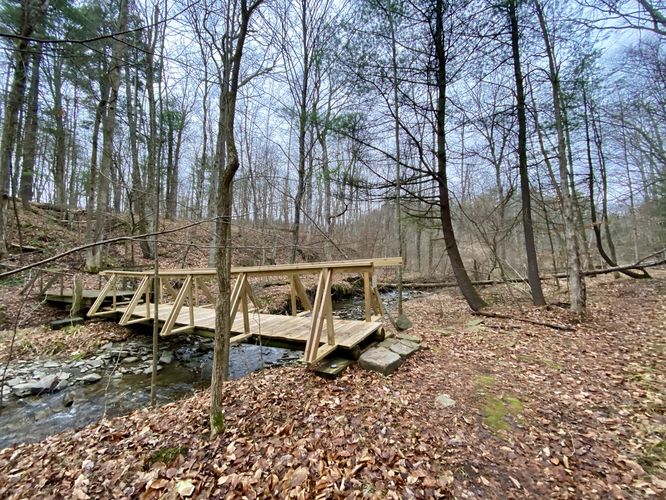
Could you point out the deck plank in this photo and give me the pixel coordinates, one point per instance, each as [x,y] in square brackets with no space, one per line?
[348,333]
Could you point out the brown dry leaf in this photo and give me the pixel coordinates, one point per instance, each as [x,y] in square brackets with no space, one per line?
[299,476]
[159,484]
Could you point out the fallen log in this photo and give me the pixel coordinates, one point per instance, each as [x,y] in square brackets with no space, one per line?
[450,284]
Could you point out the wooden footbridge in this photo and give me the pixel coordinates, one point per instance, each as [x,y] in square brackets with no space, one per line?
[186,301]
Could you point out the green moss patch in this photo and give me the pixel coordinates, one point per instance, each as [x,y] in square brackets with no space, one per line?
[654,457]
[486,381]
[497,411]
[167,455]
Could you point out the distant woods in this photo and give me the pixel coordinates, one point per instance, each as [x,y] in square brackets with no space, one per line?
[506,140]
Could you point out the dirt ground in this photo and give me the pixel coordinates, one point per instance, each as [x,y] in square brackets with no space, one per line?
[539,412]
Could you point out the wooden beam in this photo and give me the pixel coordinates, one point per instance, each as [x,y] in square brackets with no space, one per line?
[236,293]
[245,309]
[367,296]
[319,312]
[136,320]
[276,270]
[135,300]
[169,288]
[292,294]
[251,296]
[205,290]
[102,295]
[323,351]
[302,293]
[328,311]
[190,302]
[312,343]
[378,307]
[175,309]
[237,339]
[180,329]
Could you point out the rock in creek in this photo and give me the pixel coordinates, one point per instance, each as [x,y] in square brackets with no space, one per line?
[43,385]
[14,381]
[91,378]
[403,323]
[166,358]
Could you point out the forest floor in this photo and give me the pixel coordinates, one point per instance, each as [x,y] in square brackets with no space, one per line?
[538,412]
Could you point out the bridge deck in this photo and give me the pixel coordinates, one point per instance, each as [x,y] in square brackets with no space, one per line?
[179,293]
[348,333]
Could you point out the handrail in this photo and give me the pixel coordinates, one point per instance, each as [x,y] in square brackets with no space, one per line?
[274,270]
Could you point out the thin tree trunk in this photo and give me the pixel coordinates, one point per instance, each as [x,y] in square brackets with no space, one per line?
[302,132]
[100,113]
[398,173]
[60,137]
[472,297]
[528,228]
[227,164]
[577,295]
[596,225]
[137,195]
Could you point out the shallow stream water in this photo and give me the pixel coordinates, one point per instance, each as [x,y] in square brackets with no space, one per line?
[124,386]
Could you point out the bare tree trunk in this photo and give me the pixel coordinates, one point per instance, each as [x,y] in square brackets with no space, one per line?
[577,295]
[32,13]
[227,164]
[302,130]
[30,136]
[60,136]
[398,173]
[528,229]
[472,297]
[108,128]
[72,146]
[137,196]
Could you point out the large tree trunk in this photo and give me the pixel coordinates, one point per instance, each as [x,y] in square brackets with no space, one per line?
[302,131]
[59,157]
[472,297]
[32,123]
[577,295]
[137,195]
[94,260]
[100,113]
[32,13]
[528,229]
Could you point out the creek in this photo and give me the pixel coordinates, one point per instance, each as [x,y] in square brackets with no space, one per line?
[114,381]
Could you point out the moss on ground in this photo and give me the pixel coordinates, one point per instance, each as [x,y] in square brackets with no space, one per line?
[654,457]
[497,410]
[168,454]
[486,381]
